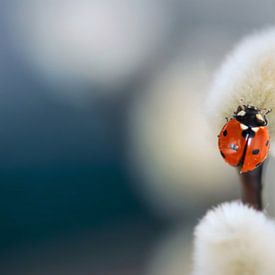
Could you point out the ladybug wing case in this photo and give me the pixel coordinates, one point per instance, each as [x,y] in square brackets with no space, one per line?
[257,150]
[232,143]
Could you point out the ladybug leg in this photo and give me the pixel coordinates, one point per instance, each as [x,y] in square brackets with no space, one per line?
[240,108]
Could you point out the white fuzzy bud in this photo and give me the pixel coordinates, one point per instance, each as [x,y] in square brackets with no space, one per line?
[247,77]
[234,239]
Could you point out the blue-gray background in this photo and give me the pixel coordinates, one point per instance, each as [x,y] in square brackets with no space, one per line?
[70,201]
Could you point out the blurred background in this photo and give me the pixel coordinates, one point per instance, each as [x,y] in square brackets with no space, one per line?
[107,160]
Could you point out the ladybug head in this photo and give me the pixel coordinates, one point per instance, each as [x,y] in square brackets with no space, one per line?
[251,116]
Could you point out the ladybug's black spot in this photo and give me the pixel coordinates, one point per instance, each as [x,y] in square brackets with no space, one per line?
[222,154]
[267,142]
[255,151]
[248,132]
[225,133]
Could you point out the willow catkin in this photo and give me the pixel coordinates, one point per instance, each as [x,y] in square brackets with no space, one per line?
[233,239]
[247,77]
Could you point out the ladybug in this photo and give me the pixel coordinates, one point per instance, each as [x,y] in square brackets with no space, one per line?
[244,140]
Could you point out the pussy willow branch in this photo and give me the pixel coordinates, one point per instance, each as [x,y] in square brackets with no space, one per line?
[251,184]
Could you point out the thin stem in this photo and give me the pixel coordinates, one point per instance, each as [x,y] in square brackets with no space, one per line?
[251,183]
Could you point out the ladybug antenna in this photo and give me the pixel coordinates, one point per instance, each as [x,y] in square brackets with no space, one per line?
[268,111]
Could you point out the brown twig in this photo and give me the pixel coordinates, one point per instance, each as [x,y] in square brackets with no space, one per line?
[251,183]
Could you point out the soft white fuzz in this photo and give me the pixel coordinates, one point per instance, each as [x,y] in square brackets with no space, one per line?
[246,77]
[234,239]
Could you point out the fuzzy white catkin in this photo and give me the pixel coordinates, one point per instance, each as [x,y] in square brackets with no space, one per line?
[234,239]
[246,77]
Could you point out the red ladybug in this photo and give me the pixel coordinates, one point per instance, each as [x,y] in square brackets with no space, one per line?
[244,140]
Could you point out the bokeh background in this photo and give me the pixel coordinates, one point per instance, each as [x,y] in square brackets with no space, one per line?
[107,160]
